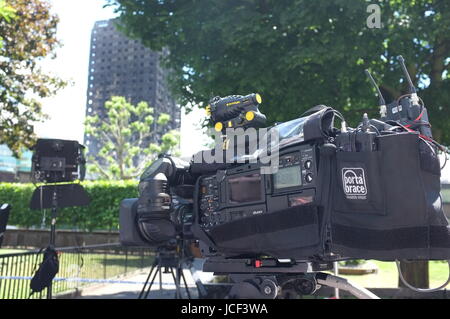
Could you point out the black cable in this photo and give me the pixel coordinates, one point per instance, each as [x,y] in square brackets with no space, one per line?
[339,115]
[446,158]
[376,130]
[420,289]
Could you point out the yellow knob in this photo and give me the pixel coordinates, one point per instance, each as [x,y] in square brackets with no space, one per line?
[218,127]
[258,98]
[249,116]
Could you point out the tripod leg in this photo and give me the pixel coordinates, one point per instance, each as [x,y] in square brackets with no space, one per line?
[146,281]
[185,284]
[160,280]
[177,284]
[158,269]
[179,281]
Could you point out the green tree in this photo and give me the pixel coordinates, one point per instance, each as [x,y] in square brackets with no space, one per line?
[6,13]
[299,53]
[28,31]
[124,135]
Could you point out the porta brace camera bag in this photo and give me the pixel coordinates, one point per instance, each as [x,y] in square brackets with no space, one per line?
[398,213]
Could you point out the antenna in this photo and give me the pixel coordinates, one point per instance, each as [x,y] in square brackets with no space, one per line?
[412,88]
[382,102]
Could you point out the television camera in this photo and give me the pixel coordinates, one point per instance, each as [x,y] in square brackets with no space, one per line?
[370,192]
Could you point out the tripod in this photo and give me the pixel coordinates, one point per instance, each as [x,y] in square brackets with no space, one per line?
[173,264]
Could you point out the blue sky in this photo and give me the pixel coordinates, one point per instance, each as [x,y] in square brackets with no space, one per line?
[67,108]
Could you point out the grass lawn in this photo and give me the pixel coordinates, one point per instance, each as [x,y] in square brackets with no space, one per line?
[387,276]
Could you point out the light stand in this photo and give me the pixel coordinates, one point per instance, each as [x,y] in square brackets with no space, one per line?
[55,162]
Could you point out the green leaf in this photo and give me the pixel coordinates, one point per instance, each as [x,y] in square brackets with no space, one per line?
[126,139]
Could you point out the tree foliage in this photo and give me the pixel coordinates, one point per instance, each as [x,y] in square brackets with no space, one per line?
[299,53]
[28,30]
[125,136]
[6,13]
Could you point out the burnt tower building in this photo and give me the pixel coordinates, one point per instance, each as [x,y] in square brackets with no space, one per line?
[120,66]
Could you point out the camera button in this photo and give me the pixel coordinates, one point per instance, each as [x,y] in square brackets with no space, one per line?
[308,164]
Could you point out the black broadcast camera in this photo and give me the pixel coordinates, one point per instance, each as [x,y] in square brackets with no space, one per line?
[370,192]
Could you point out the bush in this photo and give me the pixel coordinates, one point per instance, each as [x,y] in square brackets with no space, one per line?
[101,214]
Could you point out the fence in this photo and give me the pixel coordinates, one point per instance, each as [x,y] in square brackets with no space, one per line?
[78,266]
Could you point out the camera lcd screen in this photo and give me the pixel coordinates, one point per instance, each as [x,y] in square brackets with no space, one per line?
[287,177]
[244,188]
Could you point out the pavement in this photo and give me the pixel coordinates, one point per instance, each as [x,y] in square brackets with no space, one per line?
[130,286]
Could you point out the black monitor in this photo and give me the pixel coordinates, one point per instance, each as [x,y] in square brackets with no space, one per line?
[4,215]
[56,161]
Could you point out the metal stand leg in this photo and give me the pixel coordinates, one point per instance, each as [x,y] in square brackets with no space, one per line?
[160,281]
[155,266]
[172,264]
[158,269]
[53,234]
[185,284]
[177,283]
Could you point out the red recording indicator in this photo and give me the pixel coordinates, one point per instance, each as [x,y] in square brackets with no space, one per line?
[300,200]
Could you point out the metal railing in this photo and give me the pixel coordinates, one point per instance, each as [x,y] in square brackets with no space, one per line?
[78,266]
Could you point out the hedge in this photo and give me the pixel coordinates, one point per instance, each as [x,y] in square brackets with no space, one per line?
[101,214]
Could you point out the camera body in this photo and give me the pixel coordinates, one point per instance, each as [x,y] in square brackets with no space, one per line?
[369,192]
[244,191]
[360,193]
[234,204]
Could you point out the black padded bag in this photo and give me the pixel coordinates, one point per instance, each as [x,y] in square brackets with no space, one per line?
[387,203]
[293,232]
[46,272]
[296,232]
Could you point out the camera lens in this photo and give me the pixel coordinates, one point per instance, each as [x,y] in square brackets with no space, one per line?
[153,196]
